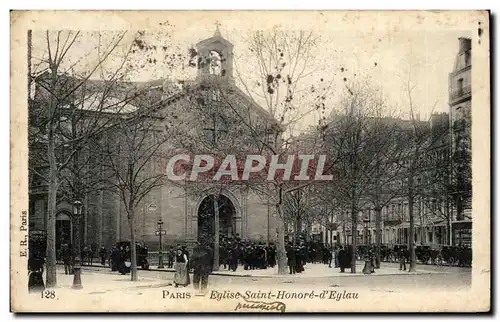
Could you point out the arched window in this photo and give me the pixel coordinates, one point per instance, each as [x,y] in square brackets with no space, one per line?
[215,63]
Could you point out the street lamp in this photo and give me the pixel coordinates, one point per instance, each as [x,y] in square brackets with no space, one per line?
[77,212]
[368,268]
[160,253]
[366,222]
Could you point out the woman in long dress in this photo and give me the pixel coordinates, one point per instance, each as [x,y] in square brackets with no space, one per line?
[181,276]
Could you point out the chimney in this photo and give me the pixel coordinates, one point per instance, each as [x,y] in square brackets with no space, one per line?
[464,44]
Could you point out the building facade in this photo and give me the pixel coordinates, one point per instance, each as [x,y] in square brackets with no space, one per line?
[185,214]
[443,214]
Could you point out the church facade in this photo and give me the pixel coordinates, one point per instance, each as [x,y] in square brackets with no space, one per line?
[185,215]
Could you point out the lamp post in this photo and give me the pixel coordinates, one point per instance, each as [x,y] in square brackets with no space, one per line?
[367,269]
[77,212]
[160,252]
[366,222]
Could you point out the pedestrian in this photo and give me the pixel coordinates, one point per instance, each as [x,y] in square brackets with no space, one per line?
[223,254]
[234,254]
[66,254]
[102,255]
[122,260]
[372,259]
[92,252]
[35,271]
[170,257]
[181,276]
[115,258]
[300,257]
[271,255]
[202,263]
[402,259]
[342,259]
[333,258]
[291,262]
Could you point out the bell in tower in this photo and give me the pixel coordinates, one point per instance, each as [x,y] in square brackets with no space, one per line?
[215,57]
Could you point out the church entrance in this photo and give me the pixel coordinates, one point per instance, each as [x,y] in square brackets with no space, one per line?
[206,218]
[63,232]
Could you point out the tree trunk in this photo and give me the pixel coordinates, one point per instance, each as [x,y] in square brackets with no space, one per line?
[51,233]
[344,233]
[378,235]
[354,229]
[216,265]
[51,217]
[308,232]
[133,252]
[280,247]
[448,224]
[298,231]
[411,237]
[53,188]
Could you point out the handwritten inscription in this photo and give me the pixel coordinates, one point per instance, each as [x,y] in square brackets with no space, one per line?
[260,306]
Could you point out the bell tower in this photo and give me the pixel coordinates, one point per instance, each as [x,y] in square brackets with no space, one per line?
[215,57]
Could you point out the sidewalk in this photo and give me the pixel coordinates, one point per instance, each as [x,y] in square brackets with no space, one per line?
[95,282]
[314,270]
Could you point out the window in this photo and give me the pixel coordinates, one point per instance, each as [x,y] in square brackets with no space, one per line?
[217,128]
[467,58]
[215,63]
[460,86]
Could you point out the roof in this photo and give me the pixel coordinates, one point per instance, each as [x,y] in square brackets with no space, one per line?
[217,37]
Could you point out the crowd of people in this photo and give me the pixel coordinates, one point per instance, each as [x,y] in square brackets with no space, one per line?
[235,252]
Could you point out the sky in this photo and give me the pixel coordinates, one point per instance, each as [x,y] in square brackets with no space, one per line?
[391,55]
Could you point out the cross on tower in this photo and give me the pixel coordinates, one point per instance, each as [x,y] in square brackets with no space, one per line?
[217,31]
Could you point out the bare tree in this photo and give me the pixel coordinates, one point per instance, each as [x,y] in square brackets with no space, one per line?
[385,149]
[421,142]
[299,207]
[57,130]
[132,151]
[348,137]
[289,89]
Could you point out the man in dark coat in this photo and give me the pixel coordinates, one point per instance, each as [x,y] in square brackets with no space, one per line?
[290,254]
[202,263]
[115,258]
[170,257]
[271,255]
[102,254]
[343,259]
[234,254]
[300,256]
[66,254]
[402,258]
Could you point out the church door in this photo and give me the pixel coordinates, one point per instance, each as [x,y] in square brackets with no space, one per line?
[63,231]
[206,218]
